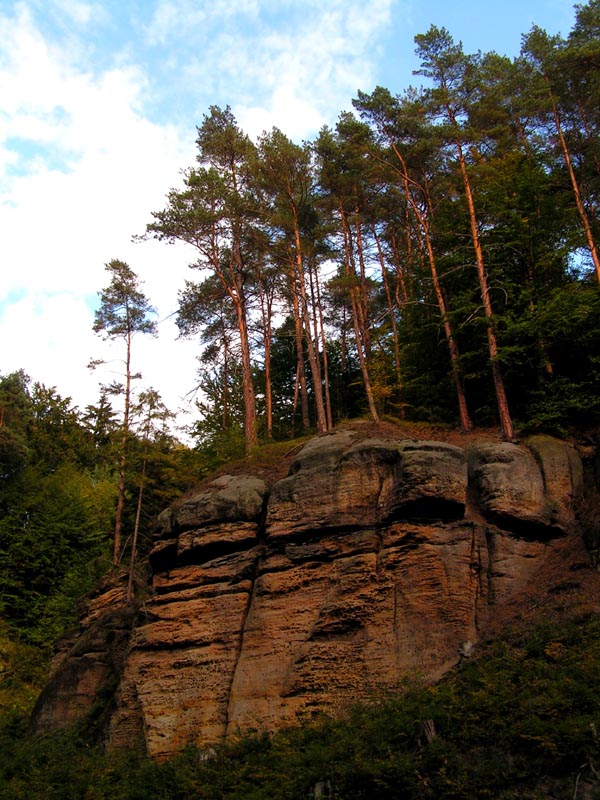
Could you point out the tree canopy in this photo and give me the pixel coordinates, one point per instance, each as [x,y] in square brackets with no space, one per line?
[431,246]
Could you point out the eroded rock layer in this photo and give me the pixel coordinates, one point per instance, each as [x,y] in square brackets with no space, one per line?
[373,560]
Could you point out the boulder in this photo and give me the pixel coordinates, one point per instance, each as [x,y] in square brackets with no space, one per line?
[332,484]
[431,483]
[229,498]
[562,474]
[508,488]
[343,485]
[88,666]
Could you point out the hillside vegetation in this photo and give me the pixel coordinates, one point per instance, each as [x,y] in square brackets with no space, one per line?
[520,721]
[430,262]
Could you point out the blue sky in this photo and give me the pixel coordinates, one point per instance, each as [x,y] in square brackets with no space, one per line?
[99,102]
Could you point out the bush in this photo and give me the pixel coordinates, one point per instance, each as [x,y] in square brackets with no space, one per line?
[521,722]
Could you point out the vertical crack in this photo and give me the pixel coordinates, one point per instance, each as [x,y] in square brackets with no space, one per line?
[489,539]
[476,569]
[240,639]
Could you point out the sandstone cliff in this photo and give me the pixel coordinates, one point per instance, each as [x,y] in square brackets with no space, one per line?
[374,560]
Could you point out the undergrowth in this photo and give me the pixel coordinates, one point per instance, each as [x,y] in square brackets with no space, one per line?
[521,721]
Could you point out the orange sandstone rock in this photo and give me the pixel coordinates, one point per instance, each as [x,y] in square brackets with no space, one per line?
[372,561]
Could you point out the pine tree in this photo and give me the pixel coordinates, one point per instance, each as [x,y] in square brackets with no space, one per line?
[124,311]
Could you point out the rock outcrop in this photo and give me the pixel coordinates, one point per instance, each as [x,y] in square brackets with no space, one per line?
[373,560]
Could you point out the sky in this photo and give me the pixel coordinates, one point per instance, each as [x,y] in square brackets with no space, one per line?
[99,103]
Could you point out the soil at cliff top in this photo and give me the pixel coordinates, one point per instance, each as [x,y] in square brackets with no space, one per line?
[272,462]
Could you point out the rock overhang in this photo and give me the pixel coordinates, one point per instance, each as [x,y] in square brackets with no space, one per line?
[371,559]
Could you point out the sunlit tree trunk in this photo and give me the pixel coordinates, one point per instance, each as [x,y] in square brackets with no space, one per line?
[391,308]
[585,221]
[355,299]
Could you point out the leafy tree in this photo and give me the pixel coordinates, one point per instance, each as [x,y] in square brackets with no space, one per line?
[286,175]
[454,78]
[550,61]
[152,416]
[101,422]
[402,134]
[344,182]
[204,308]
[215,213]
[55,510]
[15,414]
[124,311]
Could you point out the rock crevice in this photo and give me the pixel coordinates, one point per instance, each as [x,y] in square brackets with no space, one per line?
[371,561]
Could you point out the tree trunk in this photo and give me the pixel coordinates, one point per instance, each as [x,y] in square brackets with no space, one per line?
[247,385]
[465,420]
[325,358]
[574,183]
[312,355]
[363,295]
[123,456]
[235,290]
[299,342]
[136,527]
[391,311]
[265,309]
[355,301]
[503,410]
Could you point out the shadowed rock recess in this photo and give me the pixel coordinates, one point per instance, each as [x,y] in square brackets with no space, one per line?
[372,561]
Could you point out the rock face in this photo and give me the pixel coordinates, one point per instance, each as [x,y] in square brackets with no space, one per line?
[373,560]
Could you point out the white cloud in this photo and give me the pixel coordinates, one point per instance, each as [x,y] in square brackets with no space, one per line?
[76,11]
[82,166]
[43,327]
[294,75]
[61,224]
[181,19]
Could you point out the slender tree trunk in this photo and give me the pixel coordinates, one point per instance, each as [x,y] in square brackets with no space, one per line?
[299,342]
[123,455]
[247,385]
[363,295]
[355,301]
[239,300]
[465,420]
[265,308]
[344,342]
[574,182]
[225,414]
[235,290]
[296,396]
[401,291]
[268,391]
[325,357]
[503,410]
[391,310]
[312,356]
[136,527]
[315,324]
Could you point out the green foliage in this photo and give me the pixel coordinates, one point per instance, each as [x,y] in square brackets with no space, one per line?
[23,669]
[460,218]
[271,223]
[58,495]
[570,398]
[52,540]
[519,722]
[124,309]
[55,510]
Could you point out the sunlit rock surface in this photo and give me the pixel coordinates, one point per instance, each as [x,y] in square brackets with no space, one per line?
[374,560]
